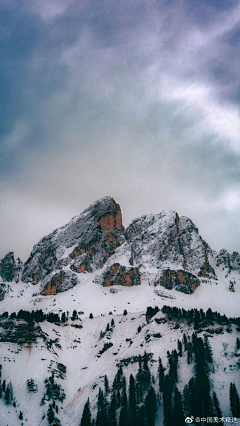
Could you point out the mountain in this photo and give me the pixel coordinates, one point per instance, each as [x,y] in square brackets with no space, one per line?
[96,305]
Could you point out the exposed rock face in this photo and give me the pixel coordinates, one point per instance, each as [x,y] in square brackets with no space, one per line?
[121,275]
[229,262]
[2,291]
[9,268]
[168,238]
[179,279]
[62,281]
[19,331]
[85,243]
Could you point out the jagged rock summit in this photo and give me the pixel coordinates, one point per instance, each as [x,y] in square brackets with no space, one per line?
[83,245]
[164,249]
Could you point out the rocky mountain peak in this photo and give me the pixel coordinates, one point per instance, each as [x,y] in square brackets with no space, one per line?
[168,240]
[10,268]
[84,245]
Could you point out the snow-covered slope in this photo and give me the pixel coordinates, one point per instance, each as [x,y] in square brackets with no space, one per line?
[95,267]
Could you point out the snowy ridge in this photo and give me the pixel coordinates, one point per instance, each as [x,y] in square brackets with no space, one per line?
[70,266]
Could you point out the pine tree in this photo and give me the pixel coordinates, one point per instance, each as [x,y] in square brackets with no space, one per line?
[132,401]
[101,409]
[237,344]
[151,406]
[185,341]
[32,386]
[112,410]
[161,370]
[167,400]
[9,394]
[179,348]
[50,414]
[112,323]
[177,415]
[216,406]
[142,416]
[86,416]
[124,400]
[208,349]
[106,384]
[234,400]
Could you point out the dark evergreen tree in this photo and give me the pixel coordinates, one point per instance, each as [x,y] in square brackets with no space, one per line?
[50,414]
[208,349]
[123,418]
[9,394]
[161,370]
[32,386]
[74,315]
[151,406]
[179,348]
[20,415]
[167,400]
[173,366]
[216,406]
[234,400]
[112,410]
[189,353]
[86,416]
[101,409]
[106,384]
[124,400]
[132,401]
[112,323]
[203,403]
[142,416]
[177,415]
[125,312]
[237,344]
[63,317]
[91,315]
[184,341]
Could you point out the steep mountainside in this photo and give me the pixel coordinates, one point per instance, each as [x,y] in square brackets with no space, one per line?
[95,306]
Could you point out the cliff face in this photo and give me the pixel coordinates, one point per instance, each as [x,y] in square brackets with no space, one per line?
[10,268]
[167,238]
[121,275]
[227,261]
[84,244]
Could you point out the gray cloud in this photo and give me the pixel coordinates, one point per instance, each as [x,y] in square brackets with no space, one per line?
[132,100]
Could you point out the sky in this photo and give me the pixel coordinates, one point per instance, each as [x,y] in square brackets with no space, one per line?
[135,99]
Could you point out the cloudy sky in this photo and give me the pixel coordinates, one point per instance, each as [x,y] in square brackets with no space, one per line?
[130,98]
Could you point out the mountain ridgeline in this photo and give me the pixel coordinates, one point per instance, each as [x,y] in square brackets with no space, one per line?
[169,247]
[107,326]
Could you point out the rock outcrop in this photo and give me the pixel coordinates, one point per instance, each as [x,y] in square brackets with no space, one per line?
[179,279]
[85,243]
[121,275]
[227,261]
[166,238]
[59,282]
[9,268]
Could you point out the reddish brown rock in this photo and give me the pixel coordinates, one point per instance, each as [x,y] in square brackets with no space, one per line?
[181,280]
[93,237]
[59,282]
[121,275]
